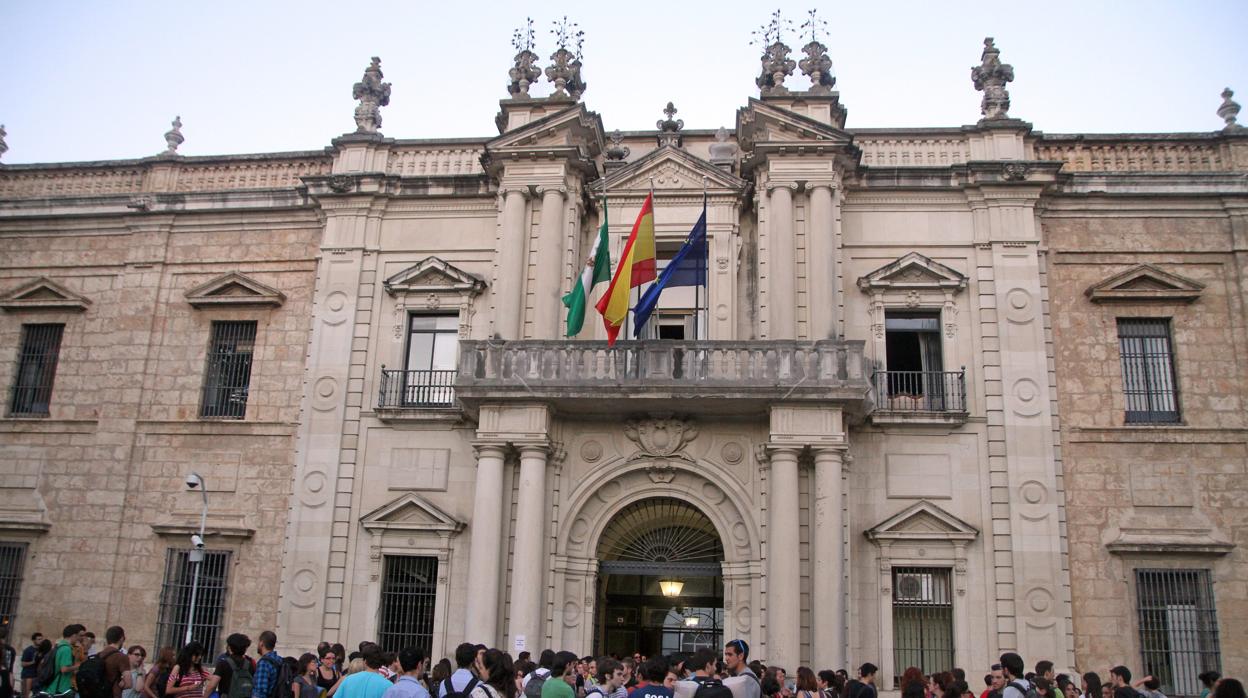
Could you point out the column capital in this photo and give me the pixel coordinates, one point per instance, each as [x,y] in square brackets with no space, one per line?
[792,187]
[533,448]
[490,448]
[559,189]
[771,451]
[827,185]
[523,190]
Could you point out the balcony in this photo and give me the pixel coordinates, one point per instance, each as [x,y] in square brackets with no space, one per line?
[412,393]
[709,376]
[919,397]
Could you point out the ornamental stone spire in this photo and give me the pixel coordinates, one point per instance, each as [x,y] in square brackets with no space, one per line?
[817,65]
[669,128]
[776,64]
[1228,111]
[990,78]
[4,147]
[565,68]
[174,137]
[373,95]
[525,71]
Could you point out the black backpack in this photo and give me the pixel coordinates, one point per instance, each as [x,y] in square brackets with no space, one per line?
[287,669]
[709,687]
[533,689]
[452,693]
[241,681]
[91,680]
[46,673]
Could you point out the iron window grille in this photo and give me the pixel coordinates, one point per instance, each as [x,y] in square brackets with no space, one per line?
[12,563]
[210,598]
[1178,628]
[36,370]
[1148,381]
[409,591]
[922,619]
[227,377]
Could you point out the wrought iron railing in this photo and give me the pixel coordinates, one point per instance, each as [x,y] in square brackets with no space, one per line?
[425,388]
[920,391]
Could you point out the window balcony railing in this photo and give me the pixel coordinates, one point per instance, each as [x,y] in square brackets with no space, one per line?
[920,392]
[416,389]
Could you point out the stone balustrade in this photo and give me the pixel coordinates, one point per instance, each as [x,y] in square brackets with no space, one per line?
[434,161]
[581,374]
[913,152]
[1136,153]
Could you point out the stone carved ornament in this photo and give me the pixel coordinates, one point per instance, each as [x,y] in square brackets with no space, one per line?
[669,128]
[525,71]
[1228,112]
[565,68]
[4,147]
[816,65]
[660,436]
[616,150]
[776,64]
[373,94]
[174,137]
[990,78]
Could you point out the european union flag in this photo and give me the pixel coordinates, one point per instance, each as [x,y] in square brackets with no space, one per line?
[687,268]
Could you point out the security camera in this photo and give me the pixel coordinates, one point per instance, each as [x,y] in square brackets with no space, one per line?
[193,481]
[197,541]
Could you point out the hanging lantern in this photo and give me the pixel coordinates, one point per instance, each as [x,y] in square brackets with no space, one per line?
[671,587]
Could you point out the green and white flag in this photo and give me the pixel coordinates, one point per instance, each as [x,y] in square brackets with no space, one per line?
[597,270]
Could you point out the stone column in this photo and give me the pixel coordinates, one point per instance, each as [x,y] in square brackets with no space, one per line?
[828,561]
[821,266]
[509,285]
[528,562]
[782,265]
[546,297]
[485,552]
[783,566]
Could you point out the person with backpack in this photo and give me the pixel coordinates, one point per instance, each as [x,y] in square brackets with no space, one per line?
[56,671]
[265,681]
[704,662]
[562,681]
[408,685]
[1015,685]
[368,683]
[461,683]
[187,678]
[107,673]
[232,674]
[497,674]
[544,662]
[736,661]
[864,685]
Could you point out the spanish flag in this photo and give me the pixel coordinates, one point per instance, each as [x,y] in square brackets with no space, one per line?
[636,268]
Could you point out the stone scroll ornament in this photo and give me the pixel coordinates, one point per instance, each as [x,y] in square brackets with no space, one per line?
[525,71]
[776,64]
[565,68]
[990,78]
[816,65]
[373,94]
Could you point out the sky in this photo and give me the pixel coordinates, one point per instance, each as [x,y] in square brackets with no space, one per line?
[103,80]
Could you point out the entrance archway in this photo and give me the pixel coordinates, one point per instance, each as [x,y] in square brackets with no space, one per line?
[650,544]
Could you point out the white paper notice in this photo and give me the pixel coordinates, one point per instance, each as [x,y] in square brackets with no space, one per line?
[521,645]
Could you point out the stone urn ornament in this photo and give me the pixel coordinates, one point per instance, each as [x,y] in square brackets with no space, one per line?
[565,68]
[817,65]
[1228,112]
[525,71]
[990,77]
[174,137]
[776,64]
[373,94]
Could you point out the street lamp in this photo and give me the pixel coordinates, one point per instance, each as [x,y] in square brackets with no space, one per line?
[195,481]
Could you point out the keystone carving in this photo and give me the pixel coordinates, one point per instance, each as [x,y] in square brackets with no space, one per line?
[990,78]
[661,436]
[373,94]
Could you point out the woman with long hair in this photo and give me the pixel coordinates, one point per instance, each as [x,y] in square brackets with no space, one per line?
[305,684]
[158,675]
[807,683]
[497,674]
[188,675]
[1091,685]
[1228,688]
[914,675]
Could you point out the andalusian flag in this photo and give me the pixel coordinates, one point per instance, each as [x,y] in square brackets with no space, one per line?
[597,269]
[636,268]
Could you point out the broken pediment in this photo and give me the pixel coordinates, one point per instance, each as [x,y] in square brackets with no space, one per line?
[434,275]
[42,294]
[923,521]
[672,168]
[413,513]
[234,289]
[1145,283]
[913,272]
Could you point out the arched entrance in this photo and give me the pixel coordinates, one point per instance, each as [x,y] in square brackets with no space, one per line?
[660,580]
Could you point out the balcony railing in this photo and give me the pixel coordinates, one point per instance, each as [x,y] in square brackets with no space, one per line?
[416,389]
[920,391]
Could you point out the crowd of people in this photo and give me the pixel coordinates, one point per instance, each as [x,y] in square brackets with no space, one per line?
[76,666]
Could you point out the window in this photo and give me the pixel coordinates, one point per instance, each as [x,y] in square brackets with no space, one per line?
[12,560]
[408,595]
[432,351]
[915,379]
[210,593]
[228,374]
[1148,371]
[922,619]
[36,368]
[1178,628]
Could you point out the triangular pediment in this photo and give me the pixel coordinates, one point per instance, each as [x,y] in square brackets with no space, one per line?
[234,289]
[413,513]
[913,272]
[923,521]
[1145,283]
[574,133]
[760,123]
[671,168]
[42,294]
[434,275]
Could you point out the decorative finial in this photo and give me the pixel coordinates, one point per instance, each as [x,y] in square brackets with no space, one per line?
[669,128]
[776,62]
[565,70]
[723,151]
[990,78]
[173,137]
[525,71]
[373,95]
[816,65]
[1228,111]
[4,147]
[617,150]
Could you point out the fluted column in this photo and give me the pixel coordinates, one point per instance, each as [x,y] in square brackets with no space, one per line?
[821,265]
[509,286]
[546,296]
[782,265]
[485,553]
[528,562]
[783,567]
[828,561]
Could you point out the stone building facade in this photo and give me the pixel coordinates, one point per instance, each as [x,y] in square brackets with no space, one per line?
[891,429]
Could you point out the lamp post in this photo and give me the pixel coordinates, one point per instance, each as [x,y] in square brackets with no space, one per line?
[195,481]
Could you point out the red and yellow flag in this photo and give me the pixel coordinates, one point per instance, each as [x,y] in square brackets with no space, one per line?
[636,268]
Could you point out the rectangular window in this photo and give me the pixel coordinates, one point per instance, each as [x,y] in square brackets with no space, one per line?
[12,561]
[210,594]
[922,619]
[409,591]
[227,377]
[915,379]
[1148,371]
[1178,628]
[36,369]
[432,352]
